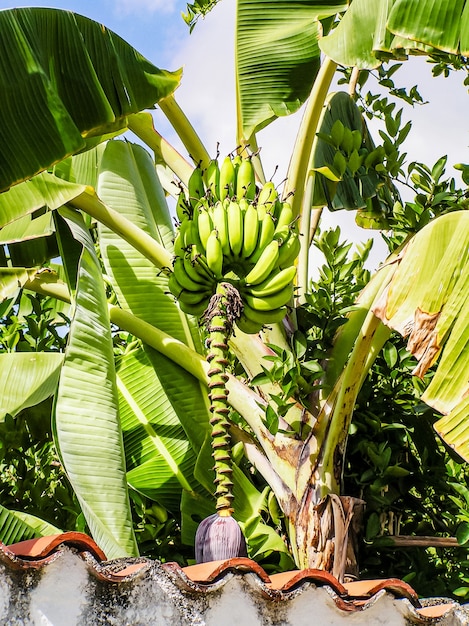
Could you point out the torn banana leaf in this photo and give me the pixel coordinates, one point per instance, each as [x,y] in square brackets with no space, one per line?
[427,301]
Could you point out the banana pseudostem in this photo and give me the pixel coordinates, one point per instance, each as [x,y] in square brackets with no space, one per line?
[224,309]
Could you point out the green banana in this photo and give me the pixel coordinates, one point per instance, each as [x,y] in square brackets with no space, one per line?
[174,286]
[264,317]
[183,210]
[246,180]
[194,297]
[264,265]
[274,282]
[235,228]
[267,303]
[196,273]
[285,216]
[214,254]
[282,234]
[227,179]
[204,225]
[266,232]
[220,223]
[197,310]
[212,179]
[180,239]
[183,278]
[248,326]
[289,250]
[195,187]
[199,263]
[250,231]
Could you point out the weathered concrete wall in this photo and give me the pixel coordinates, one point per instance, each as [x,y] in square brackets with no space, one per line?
[76,590]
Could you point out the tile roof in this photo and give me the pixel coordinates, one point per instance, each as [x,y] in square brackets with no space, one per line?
[203,578]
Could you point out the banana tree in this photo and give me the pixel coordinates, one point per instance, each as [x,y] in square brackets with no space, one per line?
[143,420]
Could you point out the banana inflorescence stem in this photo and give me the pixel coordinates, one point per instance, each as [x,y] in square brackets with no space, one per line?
[224,309]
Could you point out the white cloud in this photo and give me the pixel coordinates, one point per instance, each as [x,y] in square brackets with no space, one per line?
[207,95]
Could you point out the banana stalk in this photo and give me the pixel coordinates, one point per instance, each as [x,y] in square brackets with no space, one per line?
[224,308]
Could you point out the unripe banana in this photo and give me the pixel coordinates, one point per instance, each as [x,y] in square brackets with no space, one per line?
[180,240]
[268,193]
[196,274]
[264,265]
[174,286]
[199,263]
[267,303]
[246,180]
[183,278]
[285,216]
[183,210]
[235,228]
[197,310]
[275,282]
[212,179]
[264,317]
[282,234]
[248,326]
[192,236]
[194,297]
[289,250]
[266,232]
[220,223]
[227,179]
[250,231]
[214,254]
[195,187]
[204,225]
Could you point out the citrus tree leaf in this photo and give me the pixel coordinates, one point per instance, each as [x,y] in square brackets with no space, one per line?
[64,78]
[16,526]
[28,378]
[277,57]
[87,417]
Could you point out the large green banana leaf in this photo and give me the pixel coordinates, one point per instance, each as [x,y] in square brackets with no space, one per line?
[65,78]
[160,459]
[427,300]
[16,526]
[87,417]
[128,184]
[28,378]
[277,57]
[374,30]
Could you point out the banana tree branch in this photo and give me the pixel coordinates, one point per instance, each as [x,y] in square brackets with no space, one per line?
[141,124]
[89,202]
[185,131]
[298,167]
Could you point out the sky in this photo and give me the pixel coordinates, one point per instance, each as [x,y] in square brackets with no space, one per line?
[156,29]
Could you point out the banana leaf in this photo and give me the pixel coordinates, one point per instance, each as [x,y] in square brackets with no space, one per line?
[364,37]
[427,301]
[28,378]
[16,526]
[128,184]
[277,57]
[65,78]
[87,422]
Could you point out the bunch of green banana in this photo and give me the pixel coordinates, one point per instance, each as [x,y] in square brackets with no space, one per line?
[229,232]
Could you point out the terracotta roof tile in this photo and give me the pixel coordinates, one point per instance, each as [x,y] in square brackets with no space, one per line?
[205,577]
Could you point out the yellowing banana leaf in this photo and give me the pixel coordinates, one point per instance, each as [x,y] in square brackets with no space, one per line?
[16,526]
[427,301]
[363,37]
[28,378]
[129,185]
[12,279]
[87,416]
[277,57]
[64,78]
